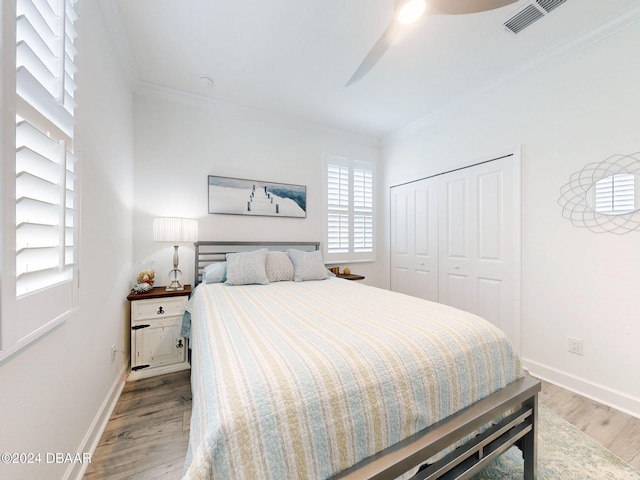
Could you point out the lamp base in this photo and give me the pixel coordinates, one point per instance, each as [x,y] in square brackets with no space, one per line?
[174,276]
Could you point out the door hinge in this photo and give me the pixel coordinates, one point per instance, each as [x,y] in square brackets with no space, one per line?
[138,327]
[139,367]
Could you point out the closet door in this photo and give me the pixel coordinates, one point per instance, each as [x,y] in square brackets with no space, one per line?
[455,239]
[414,239]
[478,233]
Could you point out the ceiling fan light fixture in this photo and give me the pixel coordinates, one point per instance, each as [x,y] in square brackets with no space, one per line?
[411,11]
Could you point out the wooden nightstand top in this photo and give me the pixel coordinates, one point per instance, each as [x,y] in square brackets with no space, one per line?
[159,292]
[351,276]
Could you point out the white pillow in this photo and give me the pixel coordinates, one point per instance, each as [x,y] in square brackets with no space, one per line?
[307,265]
[279,267]
[245,268]
[215,273]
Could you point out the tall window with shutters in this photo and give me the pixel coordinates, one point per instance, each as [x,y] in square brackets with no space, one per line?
[349,188]
[46,208]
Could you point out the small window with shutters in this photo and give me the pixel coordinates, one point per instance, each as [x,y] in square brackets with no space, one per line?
[615,194]
[349,194]
[46,184]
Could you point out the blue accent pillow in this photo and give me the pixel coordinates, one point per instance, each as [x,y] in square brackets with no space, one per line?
[307,265]
[215,273]
[246,268]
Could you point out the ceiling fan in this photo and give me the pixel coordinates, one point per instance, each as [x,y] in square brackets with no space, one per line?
[408,11]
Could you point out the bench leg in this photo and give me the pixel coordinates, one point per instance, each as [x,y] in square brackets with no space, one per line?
[530,444]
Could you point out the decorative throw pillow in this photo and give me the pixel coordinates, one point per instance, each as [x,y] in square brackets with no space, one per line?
[279,267]
[246,268]
[215,272]
[307,265]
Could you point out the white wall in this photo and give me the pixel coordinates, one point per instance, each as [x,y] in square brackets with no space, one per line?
[181,139]
[53,392]
[580,109]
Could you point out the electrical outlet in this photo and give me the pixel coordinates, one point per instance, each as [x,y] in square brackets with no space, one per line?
[575,345]
[113,352]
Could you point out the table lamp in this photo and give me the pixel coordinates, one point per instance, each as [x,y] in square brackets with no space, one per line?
[175,230]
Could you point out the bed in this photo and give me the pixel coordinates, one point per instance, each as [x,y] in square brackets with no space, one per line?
[328,378]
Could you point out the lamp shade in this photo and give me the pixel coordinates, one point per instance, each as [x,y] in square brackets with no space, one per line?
[175,229]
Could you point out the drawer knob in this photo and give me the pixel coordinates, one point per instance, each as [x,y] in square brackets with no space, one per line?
[179,345]
[160,311]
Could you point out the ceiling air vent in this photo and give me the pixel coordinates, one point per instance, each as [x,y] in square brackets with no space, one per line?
[529,14]
[548,5]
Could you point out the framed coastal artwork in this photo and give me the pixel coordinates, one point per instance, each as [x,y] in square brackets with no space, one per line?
[236,196]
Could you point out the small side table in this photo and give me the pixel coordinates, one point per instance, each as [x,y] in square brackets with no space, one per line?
[156,320]
[351,276]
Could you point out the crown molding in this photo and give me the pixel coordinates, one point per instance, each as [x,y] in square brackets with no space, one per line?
[607,28]
[113,21]
[152,90]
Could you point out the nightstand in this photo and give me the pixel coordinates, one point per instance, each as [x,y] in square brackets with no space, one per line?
[351,276]
[156,344]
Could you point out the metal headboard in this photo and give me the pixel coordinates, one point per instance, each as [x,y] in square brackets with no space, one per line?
[211,252]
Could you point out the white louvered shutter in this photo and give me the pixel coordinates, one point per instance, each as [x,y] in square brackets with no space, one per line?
[615,195]
[362,210]
[349,210]
[337,208]
[46,204]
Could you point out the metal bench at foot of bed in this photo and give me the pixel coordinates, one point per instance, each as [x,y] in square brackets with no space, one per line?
[519,428]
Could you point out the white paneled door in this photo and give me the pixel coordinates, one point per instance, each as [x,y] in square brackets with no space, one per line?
[414,239]
[461,231]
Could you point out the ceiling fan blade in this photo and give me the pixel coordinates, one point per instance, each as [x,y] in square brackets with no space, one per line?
[376,52]
[460,7]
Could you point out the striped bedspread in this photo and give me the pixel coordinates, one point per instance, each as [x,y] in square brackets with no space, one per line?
[302,380]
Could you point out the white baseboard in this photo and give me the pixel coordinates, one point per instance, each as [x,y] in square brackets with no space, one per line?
[599,393]
[90,441]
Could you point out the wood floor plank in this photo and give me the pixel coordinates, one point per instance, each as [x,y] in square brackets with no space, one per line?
[142,416]
[133,459]
[627,443]
[134,434]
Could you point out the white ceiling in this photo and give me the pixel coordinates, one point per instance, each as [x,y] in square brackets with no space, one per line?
[293,57]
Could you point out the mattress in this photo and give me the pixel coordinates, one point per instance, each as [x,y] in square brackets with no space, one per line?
[297,380]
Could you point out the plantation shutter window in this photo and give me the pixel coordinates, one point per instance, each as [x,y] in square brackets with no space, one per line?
[338,209]
[363,210]
[615,194]
[349,210]
[40,259]
[46,207]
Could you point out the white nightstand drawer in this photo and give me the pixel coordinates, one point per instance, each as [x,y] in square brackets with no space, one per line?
[158,308]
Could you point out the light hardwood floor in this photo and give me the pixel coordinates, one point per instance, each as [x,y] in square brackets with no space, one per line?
[148,432]
[617,431]
[147,435]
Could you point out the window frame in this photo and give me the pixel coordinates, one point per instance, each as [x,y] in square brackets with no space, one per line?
[349,210]
[27,316]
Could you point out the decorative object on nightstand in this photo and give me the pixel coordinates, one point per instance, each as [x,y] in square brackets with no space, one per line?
[156,344]
[175,230]
[146,274]
[145,278]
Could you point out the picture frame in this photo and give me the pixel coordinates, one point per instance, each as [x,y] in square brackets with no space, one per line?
[237,196]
